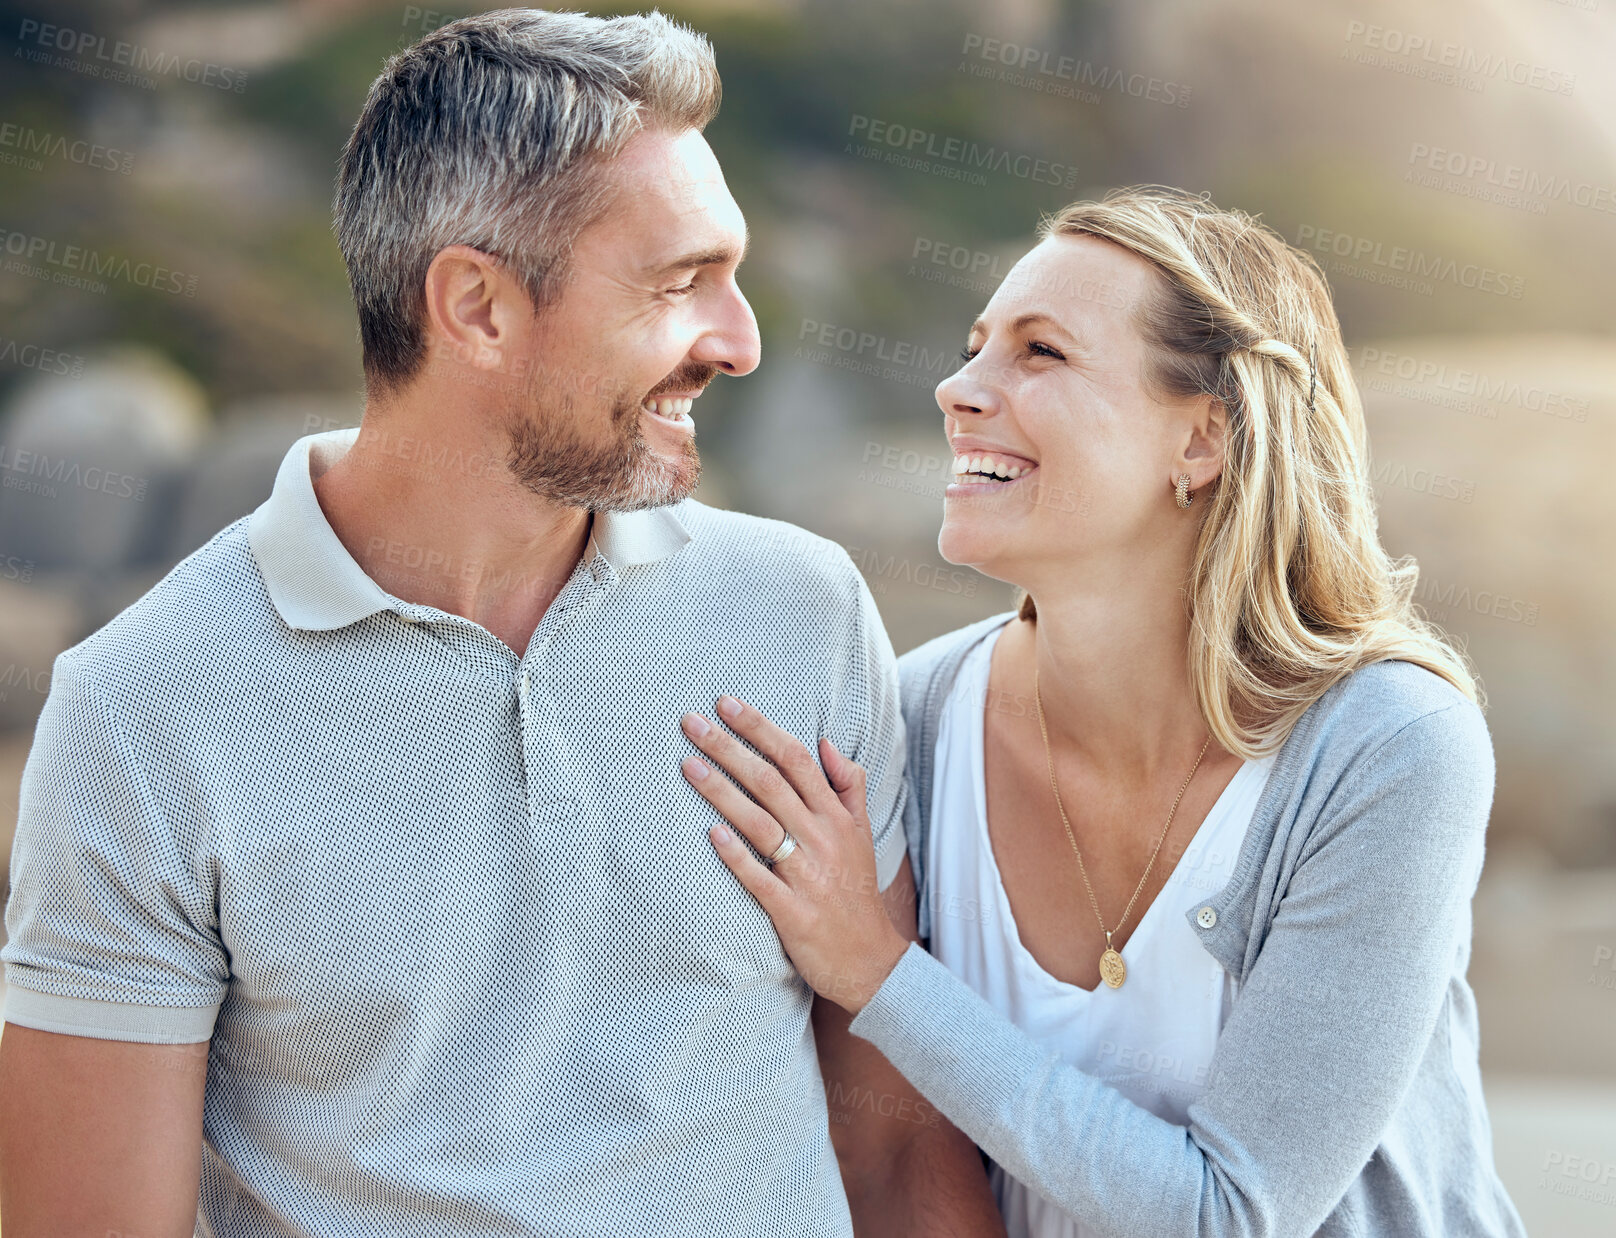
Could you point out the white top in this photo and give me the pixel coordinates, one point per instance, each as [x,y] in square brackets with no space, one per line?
[1152,1039]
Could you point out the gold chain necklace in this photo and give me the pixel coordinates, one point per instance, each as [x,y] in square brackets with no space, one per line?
[1112,969]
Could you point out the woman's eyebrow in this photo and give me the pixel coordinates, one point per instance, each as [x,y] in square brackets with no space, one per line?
[1022,321]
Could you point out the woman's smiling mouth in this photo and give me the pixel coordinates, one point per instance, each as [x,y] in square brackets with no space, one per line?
[982,468]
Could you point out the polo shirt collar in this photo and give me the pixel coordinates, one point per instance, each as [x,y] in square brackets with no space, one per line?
[317,585]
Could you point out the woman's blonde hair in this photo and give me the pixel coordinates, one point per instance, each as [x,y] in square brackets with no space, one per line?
[1290,590]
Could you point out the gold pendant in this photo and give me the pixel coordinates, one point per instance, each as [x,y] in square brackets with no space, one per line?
[1112,969]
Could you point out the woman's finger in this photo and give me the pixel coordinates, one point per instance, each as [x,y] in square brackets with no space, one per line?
[787,753]
[766,784]
[755,823]
[847,780]
[772,894]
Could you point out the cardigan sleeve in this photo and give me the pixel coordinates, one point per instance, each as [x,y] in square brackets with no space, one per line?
[1321,1044]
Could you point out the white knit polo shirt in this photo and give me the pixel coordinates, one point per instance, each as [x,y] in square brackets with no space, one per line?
[467,959]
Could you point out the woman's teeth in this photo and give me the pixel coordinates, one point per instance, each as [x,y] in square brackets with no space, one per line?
[975,470]
[669,407]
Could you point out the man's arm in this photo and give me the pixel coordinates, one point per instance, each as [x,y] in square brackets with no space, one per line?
[907,1170]
[99,1137]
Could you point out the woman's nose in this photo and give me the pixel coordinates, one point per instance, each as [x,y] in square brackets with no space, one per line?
[961,395]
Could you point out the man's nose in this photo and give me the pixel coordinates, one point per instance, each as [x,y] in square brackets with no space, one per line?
[732,344]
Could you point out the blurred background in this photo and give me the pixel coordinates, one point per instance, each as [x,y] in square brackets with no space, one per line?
[174,313]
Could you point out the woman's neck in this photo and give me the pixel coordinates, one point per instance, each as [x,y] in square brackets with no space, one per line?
[1113,674]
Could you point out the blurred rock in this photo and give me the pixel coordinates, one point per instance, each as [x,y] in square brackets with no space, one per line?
[89,463]
[235,470]
[41,619]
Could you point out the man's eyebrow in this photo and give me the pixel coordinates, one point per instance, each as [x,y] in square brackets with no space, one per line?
[716,255]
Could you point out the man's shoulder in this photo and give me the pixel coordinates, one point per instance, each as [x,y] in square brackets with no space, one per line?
[762,548]
[207,601]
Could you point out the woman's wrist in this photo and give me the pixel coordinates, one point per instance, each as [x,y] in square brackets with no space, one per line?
[883,961]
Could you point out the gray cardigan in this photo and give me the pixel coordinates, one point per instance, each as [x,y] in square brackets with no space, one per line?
[1344,1096]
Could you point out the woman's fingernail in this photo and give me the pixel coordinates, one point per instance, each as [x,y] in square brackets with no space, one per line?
[695,724]
[695,768]
[720,835]
[728,706]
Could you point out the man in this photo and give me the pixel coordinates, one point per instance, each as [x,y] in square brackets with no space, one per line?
[355,876]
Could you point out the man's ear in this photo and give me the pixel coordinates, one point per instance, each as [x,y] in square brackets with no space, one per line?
[471,305]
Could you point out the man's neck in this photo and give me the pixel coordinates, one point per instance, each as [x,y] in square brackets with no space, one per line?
[433,516]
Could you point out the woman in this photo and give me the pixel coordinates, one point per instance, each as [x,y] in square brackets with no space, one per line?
[1195,830]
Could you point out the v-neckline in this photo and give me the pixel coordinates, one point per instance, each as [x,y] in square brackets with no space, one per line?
[979,781]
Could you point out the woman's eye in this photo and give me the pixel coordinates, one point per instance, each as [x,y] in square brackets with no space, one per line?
[1034,347]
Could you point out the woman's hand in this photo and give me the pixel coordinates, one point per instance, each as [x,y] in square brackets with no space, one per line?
[823,896]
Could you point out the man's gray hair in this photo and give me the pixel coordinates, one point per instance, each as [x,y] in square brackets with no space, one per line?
[494,131]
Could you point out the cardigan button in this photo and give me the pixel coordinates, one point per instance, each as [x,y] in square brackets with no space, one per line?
[1206,917]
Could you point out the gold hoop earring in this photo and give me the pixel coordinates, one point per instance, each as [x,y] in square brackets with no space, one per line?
[1181,493]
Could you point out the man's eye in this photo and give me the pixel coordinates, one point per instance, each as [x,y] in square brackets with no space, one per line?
[683,291]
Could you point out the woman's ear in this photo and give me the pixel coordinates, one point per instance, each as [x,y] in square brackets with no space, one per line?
[1204,438]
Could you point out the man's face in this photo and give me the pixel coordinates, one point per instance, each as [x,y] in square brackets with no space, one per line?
[649,315]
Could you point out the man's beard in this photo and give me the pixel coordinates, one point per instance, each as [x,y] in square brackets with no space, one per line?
[547,455]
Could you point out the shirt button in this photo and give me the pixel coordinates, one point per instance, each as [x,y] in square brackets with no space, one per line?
[1206,917]
[524,683]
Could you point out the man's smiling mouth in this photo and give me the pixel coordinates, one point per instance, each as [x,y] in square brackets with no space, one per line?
[669,407]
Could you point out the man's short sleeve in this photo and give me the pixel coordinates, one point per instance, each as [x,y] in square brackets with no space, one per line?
[867,727]
[112,928]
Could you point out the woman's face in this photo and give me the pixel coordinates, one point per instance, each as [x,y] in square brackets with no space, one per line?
[1053,394]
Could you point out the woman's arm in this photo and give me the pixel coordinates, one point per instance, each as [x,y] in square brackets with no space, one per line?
[1319,1049]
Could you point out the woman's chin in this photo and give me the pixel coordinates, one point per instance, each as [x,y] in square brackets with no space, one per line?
[970,543]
